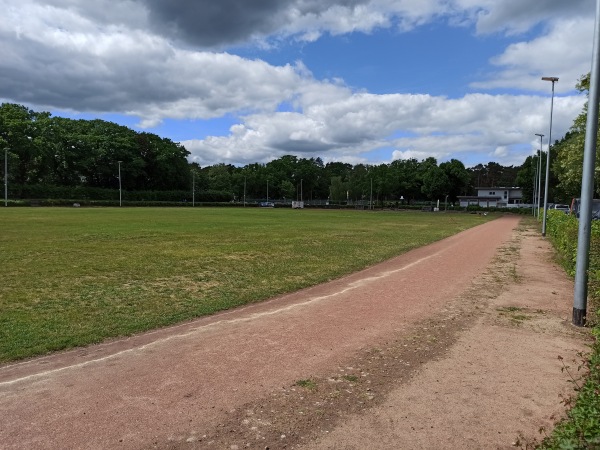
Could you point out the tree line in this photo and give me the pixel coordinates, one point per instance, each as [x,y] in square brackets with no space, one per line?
[53,156]
[293,178]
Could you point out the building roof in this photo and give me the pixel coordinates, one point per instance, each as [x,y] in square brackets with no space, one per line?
[509,188]
[476,197]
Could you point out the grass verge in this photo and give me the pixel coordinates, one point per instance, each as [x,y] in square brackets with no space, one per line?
[581,428]
[76,276]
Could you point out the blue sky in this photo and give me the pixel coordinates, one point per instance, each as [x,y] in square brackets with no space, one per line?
[359,81]
[436,59]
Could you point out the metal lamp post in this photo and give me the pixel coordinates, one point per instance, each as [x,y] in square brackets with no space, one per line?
[6,177]
[539,189]
[587,184]
[120,196]
[552,80]
[534,200]
[193,188]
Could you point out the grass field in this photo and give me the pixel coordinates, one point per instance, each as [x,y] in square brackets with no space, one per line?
[75,276]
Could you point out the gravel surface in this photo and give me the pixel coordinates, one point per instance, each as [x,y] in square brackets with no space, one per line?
[453,345]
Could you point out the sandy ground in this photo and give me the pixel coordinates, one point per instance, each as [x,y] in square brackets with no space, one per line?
[454,345]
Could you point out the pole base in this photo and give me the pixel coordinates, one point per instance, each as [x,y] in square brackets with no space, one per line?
[579,317]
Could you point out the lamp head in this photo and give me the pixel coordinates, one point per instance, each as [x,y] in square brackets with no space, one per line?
[553,79]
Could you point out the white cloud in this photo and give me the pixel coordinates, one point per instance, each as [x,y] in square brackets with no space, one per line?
[82,68]
[152,60]
[518,16]
[478,124]
[564,51]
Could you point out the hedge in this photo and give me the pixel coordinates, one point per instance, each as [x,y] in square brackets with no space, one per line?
[581,428]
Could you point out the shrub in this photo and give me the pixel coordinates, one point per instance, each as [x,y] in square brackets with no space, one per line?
[581,428]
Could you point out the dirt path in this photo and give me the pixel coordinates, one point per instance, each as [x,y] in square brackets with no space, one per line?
[453,345]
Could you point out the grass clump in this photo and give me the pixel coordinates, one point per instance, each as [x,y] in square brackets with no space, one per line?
[307,384]
[350,378]
[581,428]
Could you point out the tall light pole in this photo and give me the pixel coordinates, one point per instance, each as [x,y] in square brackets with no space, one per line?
[534,202]
[553,80]
[193,188]
[301,196]
[539,189]
[244,192]
[6,177]
[120,197]
[587,184]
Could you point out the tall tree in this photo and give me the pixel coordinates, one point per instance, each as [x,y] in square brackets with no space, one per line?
[339,190]
[22,133]
[436,184]
[568,161]
[458,178]
[527,176]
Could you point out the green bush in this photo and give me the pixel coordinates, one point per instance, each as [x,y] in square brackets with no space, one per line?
[562,231]
[581,428]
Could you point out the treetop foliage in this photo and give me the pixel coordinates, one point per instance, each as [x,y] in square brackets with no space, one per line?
[60,152]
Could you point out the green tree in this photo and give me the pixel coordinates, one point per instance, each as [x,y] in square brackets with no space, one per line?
[219,177]
[435,184]
[287,189]
[567,154]
[458,178]
[527,175]
[22,132]
[339,190]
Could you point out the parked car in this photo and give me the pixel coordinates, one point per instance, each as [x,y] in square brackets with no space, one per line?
[565,208]
[575,205]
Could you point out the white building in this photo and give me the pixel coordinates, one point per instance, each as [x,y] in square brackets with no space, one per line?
[493,197]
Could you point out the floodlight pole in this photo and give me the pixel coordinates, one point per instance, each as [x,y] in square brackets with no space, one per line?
[534,200]
[553,80]
[6,177]
[587,185]
[120,196]
[193,188]
[539,189]
[244,192]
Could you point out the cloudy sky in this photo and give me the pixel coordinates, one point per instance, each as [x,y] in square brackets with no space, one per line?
[359,81]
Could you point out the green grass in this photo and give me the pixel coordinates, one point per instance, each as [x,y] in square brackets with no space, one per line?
[75,276]
[308,384]
[581,428]
[350,378]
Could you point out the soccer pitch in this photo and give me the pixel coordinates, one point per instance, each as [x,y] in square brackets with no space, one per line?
[76,276]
